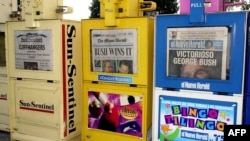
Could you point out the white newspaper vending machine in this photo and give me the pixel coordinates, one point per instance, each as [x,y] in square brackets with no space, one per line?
[9,11]
[44,73]
[199,91]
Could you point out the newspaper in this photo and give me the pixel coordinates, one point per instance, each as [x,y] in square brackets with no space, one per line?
[114,51]
[33,50]
[199,52]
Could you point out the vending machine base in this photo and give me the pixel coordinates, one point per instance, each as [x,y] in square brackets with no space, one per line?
[4,110]
[39,112]
[21,137]
[193,115]
[116,112]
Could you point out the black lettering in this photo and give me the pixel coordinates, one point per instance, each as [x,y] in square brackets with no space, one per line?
[71,70]
[72,126]
[69,48]
[71,31]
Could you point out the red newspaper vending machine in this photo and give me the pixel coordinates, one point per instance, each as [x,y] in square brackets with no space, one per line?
[200,88]
[117,72]
[44,70]
[8,7]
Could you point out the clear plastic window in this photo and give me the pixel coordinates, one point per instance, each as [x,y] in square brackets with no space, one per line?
[200,52]
[114,51]
[33,50]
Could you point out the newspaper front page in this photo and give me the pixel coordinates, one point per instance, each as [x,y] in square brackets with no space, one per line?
[33,50]
[114,51]
[197,52]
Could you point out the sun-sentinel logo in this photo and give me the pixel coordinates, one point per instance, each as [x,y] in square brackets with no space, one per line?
[71,72]
[36,40]
[36,106]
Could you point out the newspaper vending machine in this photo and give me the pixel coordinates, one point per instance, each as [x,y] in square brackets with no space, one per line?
[9,11]
[117,72]
[44,70]
[246,111]
[211,5]
[200,88]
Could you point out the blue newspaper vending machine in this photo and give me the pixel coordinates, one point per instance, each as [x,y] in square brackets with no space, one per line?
[246,113]
[199,74]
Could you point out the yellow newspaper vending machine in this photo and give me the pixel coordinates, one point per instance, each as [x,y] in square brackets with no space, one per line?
[118,72]
[44,70]
[9,11]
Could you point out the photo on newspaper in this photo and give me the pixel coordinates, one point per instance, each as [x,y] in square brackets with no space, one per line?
[197,52]
[114,51]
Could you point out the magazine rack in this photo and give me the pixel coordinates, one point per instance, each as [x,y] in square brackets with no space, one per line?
[196,23]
